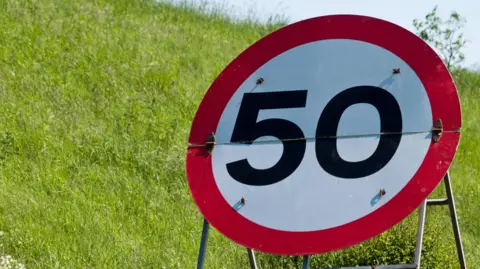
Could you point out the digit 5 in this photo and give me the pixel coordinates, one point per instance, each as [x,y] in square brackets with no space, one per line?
[247,129]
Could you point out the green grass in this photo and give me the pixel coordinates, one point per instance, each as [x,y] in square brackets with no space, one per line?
[97,99]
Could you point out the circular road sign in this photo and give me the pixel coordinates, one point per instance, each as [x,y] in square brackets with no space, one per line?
[325,133]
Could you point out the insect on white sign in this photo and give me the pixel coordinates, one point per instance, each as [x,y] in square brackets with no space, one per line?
[322,133]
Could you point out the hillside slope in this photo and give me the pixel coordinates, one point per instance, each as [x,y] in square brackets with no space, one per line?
[97,99]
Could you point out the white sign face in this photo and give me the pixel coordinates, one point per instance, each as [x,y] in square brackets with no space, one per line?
[316,75]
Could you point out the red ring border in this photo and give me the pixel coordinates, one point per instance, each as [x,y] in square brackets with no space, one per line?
[415,52]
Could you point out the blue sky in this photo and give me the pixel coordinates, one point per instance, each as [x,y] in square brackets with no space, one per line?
[401,12]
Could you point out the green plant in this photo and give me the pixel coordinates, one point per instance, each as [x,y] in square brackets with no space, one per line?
[444,35]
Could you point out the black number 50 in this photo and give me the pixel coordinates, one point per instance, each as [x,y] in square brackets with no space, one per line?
[247,129]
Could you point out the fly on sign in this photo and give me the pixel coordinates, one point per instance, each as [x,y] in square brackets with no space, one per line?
[322,134]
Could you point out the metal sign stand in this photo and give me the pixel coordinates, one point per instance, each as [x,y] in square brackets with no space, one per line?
[418,249]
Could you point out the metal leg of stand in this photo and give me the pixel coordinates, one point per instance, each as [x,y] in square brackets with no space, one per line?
[421,226]
[251,258]
[203,245]
[306,262]
[453,215]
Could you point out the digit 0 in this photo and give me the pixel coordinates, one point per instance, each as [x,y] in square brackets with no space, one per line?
[390,121]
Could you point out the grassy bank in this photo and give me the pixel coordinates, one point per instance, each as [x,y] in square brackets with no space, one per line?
[97,98]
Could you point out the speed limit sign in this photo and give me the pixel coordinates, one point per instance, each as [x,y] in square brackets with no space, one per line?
[322,134]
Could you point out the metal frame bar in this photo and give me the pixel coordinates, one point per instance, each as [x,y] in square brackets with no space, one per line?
[306,262]
[454,218]
[203,249]
[421,227]
[396,266]
[251,258]
[203,244]
[418,248]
